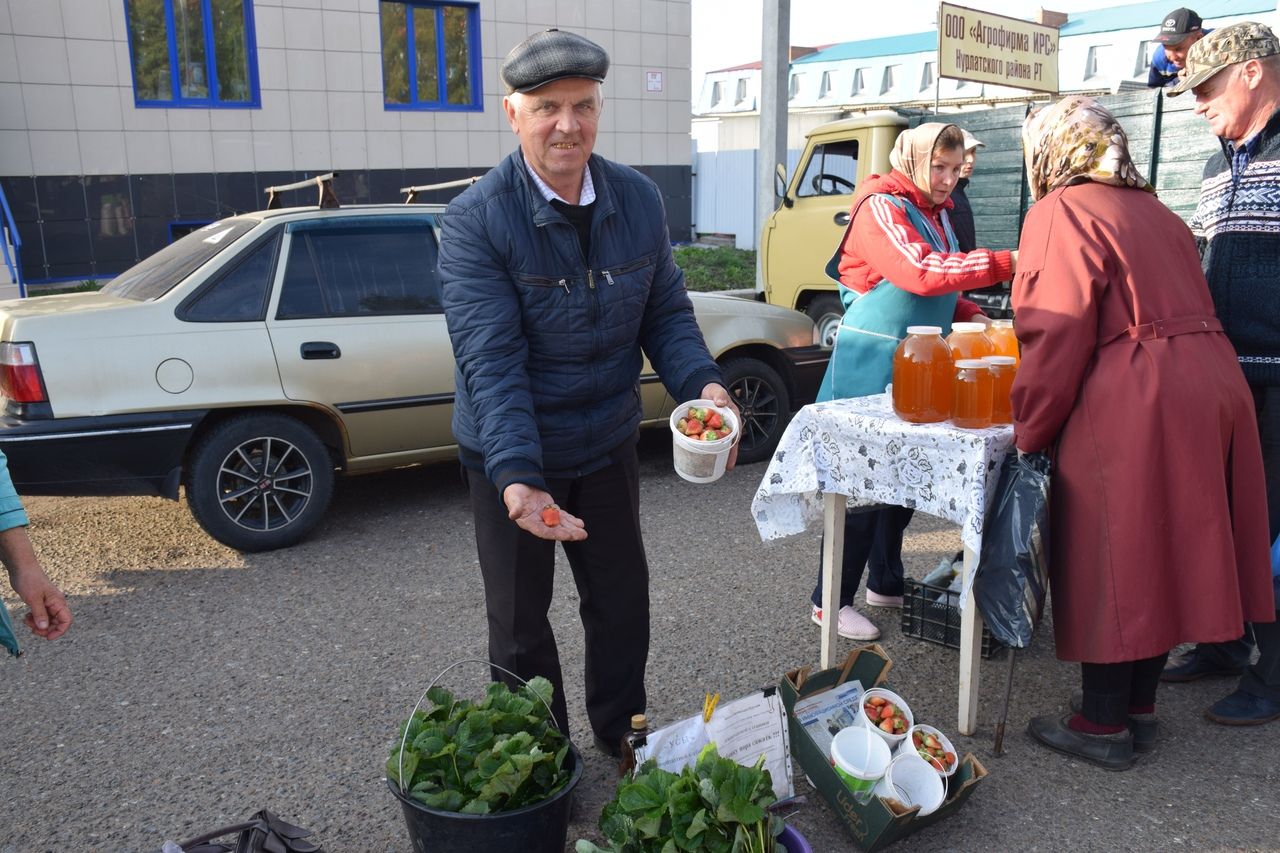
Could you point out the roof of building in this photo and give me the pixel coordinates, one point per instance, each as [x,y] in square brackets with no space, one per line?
[1128,17]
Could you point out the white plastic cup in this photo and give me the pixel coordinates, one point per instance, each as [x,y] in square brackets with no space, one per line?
[891,739]
[701,461]
[860,759]
[912,781]
[908,746]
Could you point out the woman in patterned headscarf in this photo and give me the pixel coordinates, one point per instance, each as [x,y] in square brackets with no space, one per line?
[899,265]
[1158,525]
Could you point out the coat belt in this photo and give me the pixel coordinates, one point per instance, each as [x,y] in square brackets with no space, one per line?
[1169,328]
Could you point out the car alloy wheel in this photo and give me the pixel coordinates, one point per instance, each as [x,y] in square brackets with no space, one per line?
[259,481]
[764,403]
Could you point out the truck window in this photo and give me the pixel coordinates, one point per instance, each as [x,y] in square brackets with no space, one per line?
[831,170]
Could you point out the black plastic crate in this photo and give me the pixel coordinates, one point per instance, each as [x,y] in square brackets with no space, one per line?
[932,613]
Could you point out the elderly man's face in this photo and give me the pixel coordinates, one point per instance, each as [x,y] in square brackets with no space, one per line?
[1227,101]
[1177,54]
[557,126]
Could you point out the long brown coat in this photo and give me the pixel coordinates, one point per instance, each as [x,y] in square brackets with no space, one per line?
[1158,505]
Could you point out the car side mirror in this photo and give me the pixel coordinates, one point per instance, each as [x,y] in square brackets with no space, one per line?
[780,185]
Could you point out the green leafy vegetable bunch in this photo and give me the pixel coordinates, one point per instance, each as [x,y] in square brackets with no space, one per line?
[714,806]
[497,755]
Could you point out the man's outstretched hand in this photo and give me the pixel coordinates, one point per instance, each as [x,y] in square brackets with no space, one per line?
[526,505]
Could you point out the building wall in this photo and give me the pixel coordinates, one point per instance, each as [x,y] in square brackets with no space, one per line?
[73,144]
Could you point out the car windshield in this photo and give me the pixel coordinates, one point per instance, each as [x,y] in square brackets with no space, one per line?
[156,275]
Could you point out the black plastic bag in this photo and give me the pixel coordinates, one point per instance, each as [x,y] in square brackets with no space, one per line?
[1013,569]
[262,833]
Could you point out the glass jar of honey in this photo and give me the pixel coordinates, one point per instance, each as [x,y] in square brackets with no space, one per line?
[922,376]
[969,340]
[971,400]
[1003,368]
[1002,335]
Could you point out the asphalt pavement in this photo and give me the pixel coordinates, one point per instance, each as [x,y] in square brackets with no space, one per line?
[199,685]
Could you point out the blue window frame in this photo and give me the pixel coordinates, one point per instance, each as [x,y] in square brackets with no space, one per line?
[431,55]
[193,53]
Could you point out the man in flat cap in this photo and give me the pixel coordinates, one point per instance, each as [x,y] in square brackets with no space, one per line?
[1180,29]
[558,280]
[1234,74]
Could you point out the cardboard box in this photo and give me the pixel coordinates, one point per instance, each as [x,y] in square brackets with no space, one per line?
[879,823]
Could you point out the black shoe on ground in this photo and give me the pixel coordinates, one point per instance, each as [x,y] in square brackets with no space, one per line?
[1194,666]
[1112,752]
[1144,727]
[1243,709]
[611,748]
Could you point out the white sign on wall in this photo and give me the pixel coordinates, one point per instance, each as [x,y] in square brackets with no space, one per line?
[653,81]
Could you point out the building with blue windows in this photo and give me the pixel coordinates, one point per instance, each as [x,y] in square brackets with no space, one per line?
[125,123]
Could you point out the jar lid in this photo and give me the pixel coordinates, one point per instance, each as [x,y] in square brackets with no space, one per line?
[1005,360]
[1004,324]
[924,330]
[971,364]
[968,327]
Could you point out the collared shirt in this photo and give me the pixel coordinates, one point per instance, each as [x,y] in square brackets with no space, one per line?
[585,197]
[1241,154]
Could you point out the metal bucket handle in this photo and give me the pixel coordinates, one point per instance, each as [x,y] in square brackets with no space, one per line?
[404,737]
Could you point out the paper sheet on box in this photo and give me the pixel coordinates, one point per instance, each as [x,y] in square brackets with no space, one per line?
[823,714]
[742,730]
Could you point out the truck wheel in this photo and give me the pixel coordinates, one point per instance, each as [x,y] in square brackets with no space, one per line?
[826,311]
[764,402]
[259,482]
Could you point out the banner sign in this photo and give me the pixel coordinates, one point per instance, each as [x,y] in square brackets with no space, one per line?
[986,48]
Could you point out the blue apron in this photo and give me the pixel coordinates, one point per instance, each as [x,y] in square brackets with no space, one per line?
[875,322]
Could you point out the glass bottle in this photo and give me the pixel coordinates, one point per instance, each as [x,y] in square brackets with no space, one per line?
[1004,338]
[969,340]
[630,742]
[922,372]
[1003,369]
[971,403]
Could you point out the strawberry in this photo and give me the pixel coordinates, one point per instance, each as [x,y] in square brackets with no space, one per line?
[693,427]
[931,742]
[899,725]
[714,420]
[950,758]
[887,726]
[877,701]
[710,435]
[683,425]
[551,516]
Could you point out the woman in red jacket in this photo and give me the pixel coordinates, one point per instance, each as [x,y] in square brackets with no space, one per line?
[899,265]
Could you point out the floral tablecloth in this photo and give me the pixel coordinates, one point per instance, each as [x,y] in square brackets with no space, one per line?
[858,447]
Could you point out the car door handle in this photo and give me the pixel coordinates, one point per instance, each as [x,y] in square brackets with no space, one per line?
[841,218]
[320,349]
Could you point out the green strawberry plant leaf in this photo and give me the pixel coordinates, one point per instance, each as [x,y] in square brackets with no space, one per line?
[500,754]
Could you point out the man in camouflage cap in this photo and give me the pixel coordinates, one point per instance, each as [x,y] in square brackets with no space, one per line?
[1234,74]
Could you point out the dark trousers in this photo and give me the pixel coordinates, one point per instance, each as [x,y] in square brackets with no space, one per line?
[871,538]
[1263,678]
[612,577]
[1111,689]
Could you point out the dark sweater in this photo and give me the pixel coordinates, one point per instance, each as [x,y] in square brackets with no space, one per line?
[1237,227]
[962,218]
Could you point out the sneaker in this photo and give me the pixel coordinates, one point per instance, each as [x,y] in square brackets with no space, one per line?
[875,599]
[851,624]
[1241,709]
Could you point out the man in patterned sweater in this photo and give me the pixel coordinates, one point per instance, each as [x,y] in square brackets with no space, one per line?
[1234,74]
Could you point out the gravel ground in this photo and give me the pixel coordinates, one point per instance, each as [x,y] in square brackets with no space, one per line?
[199,685]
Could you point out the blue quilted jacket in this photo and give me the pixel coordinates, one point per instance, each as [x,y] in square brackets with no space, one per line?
[548,345]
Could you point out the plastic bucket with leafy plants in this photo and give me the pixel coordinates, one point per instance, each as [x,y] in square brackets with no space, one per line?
[494,776]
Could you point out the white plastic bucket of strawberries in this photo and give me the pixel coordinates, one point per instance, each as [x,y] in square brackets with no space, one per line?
[702,434]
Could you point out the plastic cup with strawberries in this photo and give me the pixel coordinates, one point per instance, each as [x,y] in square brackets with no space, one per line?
[886,714]
[933,746]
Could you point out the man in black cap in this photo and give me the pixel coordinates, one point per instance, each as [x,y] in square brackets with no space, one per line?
[558,279]
[1180,29]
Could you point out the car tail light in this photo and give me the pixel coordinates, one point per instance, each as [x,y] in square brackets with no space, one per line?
[20,374]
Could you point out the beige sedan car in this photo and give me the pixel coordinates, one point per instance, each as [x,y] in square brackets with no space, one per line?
[253,359]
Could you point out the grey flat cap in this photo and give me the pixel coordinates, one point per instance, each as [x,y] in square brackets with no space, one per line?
[552,55]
